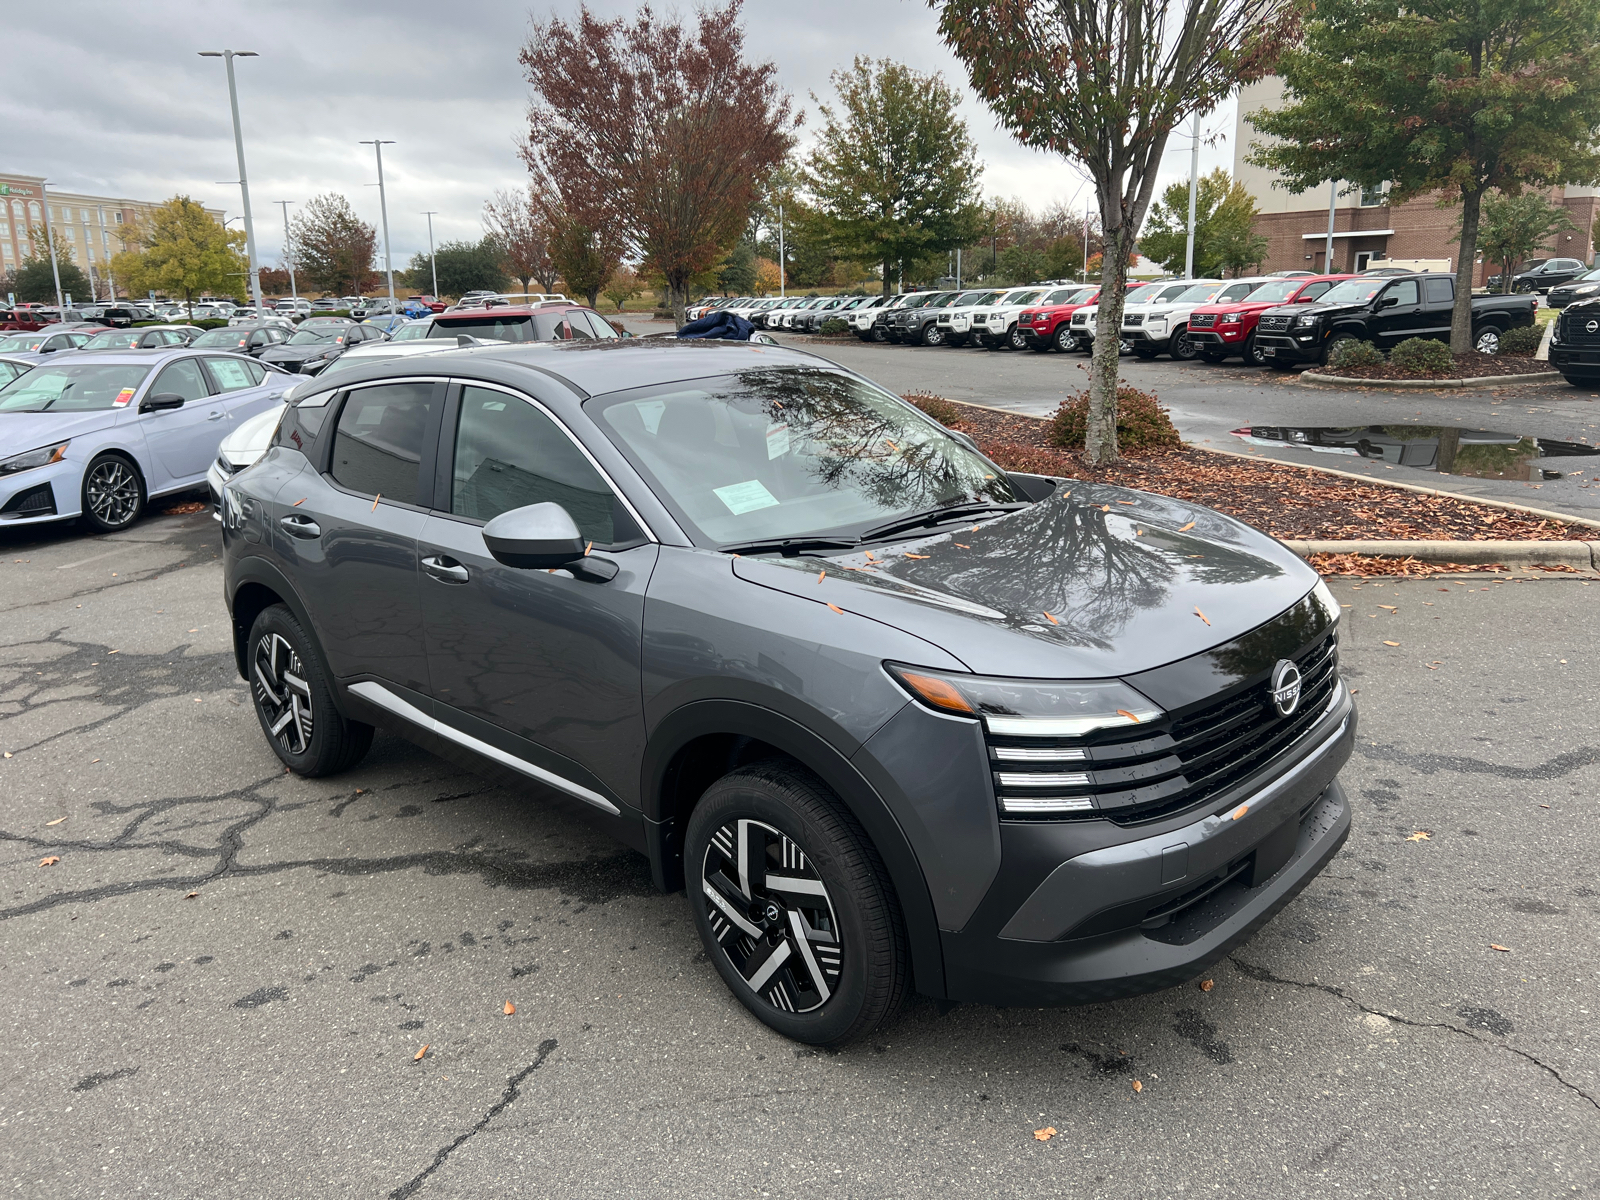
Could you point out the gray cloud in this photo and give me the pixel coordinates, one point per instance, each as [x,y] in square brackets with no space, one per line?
[113,99]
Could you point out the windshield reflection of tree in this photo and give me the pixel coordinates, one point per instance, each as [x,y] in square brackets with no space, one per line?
[860,442]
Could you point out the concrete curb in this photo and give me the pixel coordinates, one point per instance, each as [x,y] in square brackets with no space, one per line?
[1584,556]
[1318,380]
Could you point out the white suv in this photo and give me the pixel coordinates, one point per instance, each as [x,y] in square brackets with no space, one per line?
[1083,321]
[866,323]
[995,325]
[1164,324]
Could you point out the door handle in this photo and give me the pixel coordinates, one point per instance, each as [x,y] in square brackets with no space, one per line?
[298,526]
[216,416]
[445,569]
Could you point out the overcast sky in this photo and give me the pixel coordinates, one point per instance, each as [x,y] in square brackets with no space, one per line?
[113,100]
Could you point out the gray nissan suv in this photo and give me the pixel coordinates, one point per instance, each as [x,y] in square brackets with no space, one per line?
[894,717]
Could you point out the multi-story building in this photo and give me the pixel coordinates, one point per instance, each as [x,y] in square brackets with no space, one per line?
[91,225]
[1367,229]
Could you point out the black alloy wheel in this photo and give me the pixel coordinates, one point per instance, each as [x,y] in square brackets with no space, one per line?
[1331,343]
[793,905]
[1486,339]
[879,334]
[1065,341]
[932,335]
[293,701]
[1016,339]
[113,494]
[1182,348]
[1253,354]
[1126,346]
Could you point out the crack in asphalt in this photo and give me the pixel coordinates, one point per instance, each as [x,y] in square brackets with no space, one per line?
[512,1092]
[1429,764]
[1262,975]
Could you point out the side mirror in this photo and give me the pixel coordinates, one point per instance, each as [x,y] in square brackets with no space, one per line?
[160,402]
[1305,299]
[1388,301]
[534,537]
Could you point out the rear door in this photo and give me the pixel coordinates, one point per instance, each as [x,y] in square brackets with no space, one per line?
[183,441]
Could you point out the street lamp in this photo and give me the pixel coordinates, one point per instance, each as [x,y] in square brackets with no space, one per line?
[50,240]
[430,214]
[244,183]
[288,257]
[377,145]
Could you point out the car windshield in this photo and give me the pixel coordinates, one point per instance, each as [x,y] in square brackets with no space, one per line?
[221,339]
[72,387]
[1587,276]
[410,333]
[119,340]
[314,337]
[357,359]
[1275,292]
[1354,291]
[782,452]
[1199,293]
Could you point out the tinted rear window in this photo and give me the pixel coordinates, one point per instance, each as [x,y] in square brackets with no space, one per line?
[499,329]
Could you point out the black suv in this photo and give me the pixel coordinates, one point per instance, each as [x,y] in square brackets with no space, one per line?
[1540,275]
[895,717]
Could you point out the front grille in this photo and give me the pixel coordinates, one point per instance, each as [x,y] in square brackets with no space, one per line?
[1575,331]
[1133,319]
[1080,318]
[1202,320]
[1278,324]
[1128,775]
[979,319]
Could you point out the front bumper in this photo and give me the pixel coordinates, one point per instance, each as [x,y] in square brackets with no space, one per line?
[1144,338]
[1293,346]
[1576,360]
[1222,337]
[43,494]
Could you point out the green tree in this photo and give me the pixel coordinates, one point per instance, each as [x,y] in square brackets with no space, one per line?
[1224,214]
[181,251]
[738,274]
[463,267]
[35,282]
[1023,264]
[331,247]
[1514,228]
[1458,97]
[894,170]
[1105,82]
[623,286]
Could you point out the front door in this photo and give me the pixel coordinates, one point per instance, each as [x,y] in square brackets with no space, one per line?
[1399,314]
[551,658]
[347,526]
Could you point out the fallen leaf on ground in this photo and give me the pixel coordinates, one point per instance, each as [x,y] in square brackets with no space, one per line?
[1045,1134]
[1137,1086]
[1502,949]
[1390,607]
[1421,835]
[1202,616]
[51,861]
[917,556]
[1391,643]
[510,1009]
[1207,984]
[190,895]
[8,754]
[58,820]
[962,545]
[1127,502]
[417,1057]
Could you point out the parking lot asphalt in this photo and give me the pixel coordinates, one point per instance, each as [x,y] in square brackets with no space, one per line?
[1210,400]
[234,981]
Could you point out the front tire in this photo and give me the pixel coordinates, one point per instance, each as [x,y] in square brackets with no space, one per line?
[113,494]
[1181,348]
[294,702]
[794,906]
[1015,339]
[1253,355]
[932,335]
[1064,339]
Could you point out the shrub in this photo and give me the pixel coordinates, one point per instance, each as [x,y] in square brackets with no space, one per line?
[1524,340]
[1422,356]
[1355,354]
[937,407]
[834,327]
[1142,424]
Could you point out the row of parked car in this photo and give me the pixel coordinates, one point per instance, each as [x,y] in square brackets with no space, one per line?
[1281,320]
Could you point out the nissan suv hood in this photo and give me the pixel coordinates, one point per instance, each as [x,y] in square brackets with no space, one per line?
[1095,582]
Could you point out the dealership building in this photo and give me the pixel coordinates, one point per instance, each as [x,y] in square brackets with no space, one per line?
[91,225]
[1368,230]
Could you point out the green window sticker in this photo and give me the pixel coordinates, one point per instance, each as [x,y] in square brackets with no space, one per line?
[745,497]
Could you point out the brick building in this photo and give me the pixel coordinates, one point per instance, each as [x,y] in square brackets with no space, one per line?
[91,225]
[1367,228]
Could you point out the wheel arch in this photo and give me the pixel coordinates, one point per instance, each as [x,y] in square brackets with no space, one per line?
[254,585]
[698,743]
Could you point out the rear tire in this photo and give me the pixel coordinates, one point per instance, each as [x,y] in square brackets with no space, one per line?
[839,940]
[1486,339]
[294,702]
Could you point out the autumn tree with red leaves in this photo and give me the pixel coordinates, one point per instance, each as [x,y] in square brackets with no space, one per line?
[1105,82]
[519,225]
[656,132]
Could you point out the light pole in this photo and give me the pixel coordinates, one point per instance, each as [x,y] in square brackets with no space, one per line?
[430,214]
[227,57]
[50,240]
[287,256]
[1333,202]
[1194,177]
[782,275]
[377,145]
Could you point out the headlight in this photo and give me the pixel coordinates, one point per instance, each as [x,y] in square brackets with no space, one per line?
[1555,332]
[1029,707]
[1230,318]
[41,457]
[1586,289]
[1307,319]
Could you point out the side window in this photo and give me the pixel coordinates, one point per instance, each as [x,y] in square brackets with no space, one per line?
[231,374]
[182,378]
[377,445]
[1403,293]
[600,327]
[509,454]
[174,338]
[1440,291]
[1313,290]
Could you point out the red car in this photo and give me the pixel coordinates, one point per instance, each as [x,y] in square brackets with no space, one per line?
[1050,325]
[559,322]
[1223,330]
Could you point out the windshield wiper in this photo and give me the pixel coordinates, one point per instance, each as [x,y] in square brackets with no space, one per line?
[791,545]
[935,516]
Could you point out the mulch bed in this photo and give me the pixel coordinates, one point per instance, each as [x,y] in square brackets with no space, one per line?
[1470,365]
[1286,501]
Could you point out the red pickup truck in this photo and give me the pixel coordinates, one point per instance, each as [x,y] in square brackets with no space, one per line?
[1222,330]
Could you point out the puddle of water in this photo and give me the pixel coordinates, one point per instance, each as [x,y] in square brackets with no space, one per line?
[1448,449]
